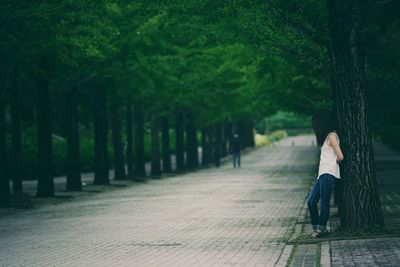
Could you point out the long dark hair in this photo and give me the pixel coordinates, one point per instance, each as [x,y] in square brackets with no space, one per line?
[323,123]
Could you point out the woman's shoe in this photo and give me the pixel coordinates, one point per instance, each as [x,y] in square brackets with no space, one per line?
[315,233]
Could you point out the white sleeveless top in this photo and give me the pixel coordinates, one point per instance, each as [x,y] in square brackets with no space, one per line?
[328,160]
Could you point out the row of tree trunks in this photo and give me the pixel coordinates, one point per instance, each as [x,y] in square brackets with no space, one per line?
[4,177]
[101,174]
[215,141]
[362,208]
[45,155]
[73,156]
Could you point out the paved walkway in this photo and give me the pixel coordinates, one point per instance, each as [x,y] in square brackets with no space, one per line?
[214,217]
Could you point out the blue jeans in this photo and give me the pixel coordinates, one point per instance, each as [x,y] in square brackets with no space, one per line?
[236,159]
[322,190]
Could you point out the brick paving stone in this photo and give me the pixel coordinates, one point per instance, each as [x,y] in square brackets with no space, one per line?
[213,217]
[304,256]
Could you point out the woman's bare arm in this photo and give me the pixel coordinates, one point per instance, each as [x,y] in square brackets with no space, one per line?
[333,142]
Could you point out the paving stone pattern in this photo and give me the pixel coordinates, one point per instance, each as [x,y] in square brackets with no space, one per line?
[214,217]
[368,252]
[381,251]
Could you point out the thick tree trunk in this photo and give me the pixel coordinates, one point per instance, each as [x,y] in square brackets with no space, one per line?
[73,170]
[361,208]
[140,170]
[44,146]
[101,175]
[180,160]
[155,149]
[166,150]
[4,178]
[191,143]
[15,113]
[119,162]
[129,142]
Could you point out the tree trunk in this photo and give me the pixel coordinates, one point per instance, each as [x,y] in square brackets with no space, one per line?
[252,140]
[129,142]
[224,141]
[240,126]
[166,150]
[249,128]
[229,135]
[139,144]
[191,143]
[119,163]
[15,112]
[4,178]
[361,208]
[101,175]
[180,160]
[45,186]
[155,149]
[217,145]
[73,170]
[205,160]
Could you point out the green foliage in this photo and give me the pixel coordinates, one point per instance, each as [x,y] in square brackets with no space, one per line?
[221,60]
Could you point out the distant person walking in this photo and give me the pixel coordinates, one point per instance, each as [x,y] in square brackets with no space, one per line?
[236,151]
[331,155]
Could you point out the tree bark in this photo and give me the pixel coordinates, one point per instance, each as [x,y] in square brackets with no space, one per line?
[129,142]
[361,208]
[180,160]
[140,170]
[74,182]
[155,149]
[119,162]
[15,112]
[166,150]
[45,156]
[101,175]
[4,178]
